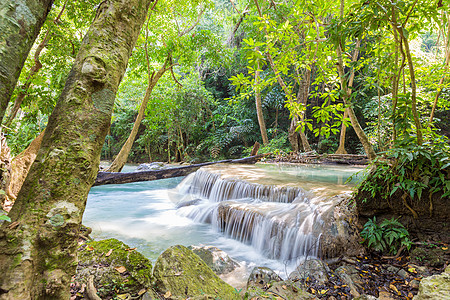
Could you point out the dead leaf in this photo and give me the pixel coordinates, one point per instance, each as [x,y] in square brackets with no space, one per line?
[167,294]
[313,291]
[123,296]
[394,288]
[284,287]
[142,292]
[444,248]
[323,291]
[109,252]
[130,249]
[121,269]
[178,274]
[13,225]
[89,248]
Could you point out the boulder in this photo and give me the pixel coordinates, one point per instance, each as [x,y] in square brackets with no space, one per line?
[179,274]
[215,258]
[117,269]
[435,287]
[342,234]
[313,268]
[261,277]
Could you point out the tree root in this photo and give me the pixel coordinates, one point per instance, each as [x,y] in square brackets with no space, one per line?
[415,215]
[91,291]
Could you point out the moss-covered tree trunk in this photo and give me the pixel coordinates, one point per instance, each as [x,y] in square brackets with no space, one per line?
[20,23]
[38,249]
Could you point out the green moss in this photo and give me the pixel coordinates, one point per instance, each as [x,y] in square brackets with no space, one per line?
[181,272]
[138,268]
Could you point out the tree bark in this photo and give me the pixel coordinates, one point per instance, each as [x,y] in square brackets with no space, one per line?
[122,157]
[341,148]
[33,71]
[20,23]
[38,249]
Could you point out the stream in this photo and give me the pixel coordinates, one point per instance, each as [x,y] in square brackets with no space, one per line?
[282,204]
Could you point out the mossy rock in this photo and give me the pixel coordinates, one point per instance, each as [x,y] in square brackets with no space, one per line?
[179,274]
[120,271]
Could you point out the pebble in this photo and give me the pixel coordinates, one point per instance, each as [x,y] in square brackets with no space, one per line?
[414,284]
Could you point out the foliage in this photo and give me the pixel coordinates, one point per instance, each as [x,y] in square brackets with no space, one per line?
[411,172]
[390,235]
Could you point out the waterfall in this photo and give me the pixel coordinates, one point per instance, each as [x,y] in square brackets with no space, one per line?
[280,222]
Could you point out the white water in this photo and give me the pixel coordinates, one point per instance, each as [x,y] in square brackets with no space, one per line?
[145,214]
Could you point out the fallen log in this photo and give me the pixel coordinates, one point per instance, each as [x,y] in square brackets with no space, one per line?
[119,178]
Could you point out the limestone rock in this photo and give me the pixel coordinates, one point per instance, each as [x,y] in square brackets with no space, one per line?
[215,258]
[313,268]
[117,269]
[282,289]
[342,235]
[435,287]
[261,276]
[179,274]
[350,276]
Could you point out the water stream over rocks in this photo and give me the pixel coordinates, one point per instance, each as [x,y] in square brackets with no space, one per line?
[261,215]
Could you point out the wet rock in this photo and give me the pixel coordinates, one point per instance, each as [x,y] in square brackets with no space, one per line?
[187,203]
[402,273]
[313,268]
[117,269]
[215,258]
[350,276]
[435,287]
[179,274]
[342,237]
[262,276]
[151,166]
[281,290]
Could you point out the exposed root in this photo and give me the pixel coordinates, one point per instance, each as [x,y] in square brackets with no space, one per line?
[415,215]
[91,291]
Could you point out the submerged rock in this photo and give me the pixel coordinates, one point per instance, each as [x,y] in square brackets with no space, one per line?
[179,274]
[215,258]
[261,277]
[435,287]
[116,268]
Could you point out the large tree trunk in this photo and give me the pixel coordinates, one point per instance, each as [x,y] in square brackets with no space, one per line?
[122,157]
[20,22]
[23,90]
[38,249]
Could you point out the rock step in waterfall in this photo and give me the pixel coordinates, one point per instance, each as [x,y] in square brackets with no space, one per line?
[281,222]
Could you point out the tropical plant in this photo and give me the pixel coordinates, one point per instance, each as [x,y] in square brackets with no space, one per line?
[389,236]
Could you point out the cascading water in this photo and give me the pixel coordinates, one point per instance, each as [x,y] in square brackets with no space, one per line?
[276,213]
[282,223]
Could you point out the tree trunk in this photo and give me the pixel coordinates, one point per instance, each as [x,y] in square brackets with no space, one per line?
[33,71]
[119,178]
[38,249]
[20,23]
[441,81]
[20,166]
[259,111]
[302,97]
[341,148]
[346,93]
[122,157]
